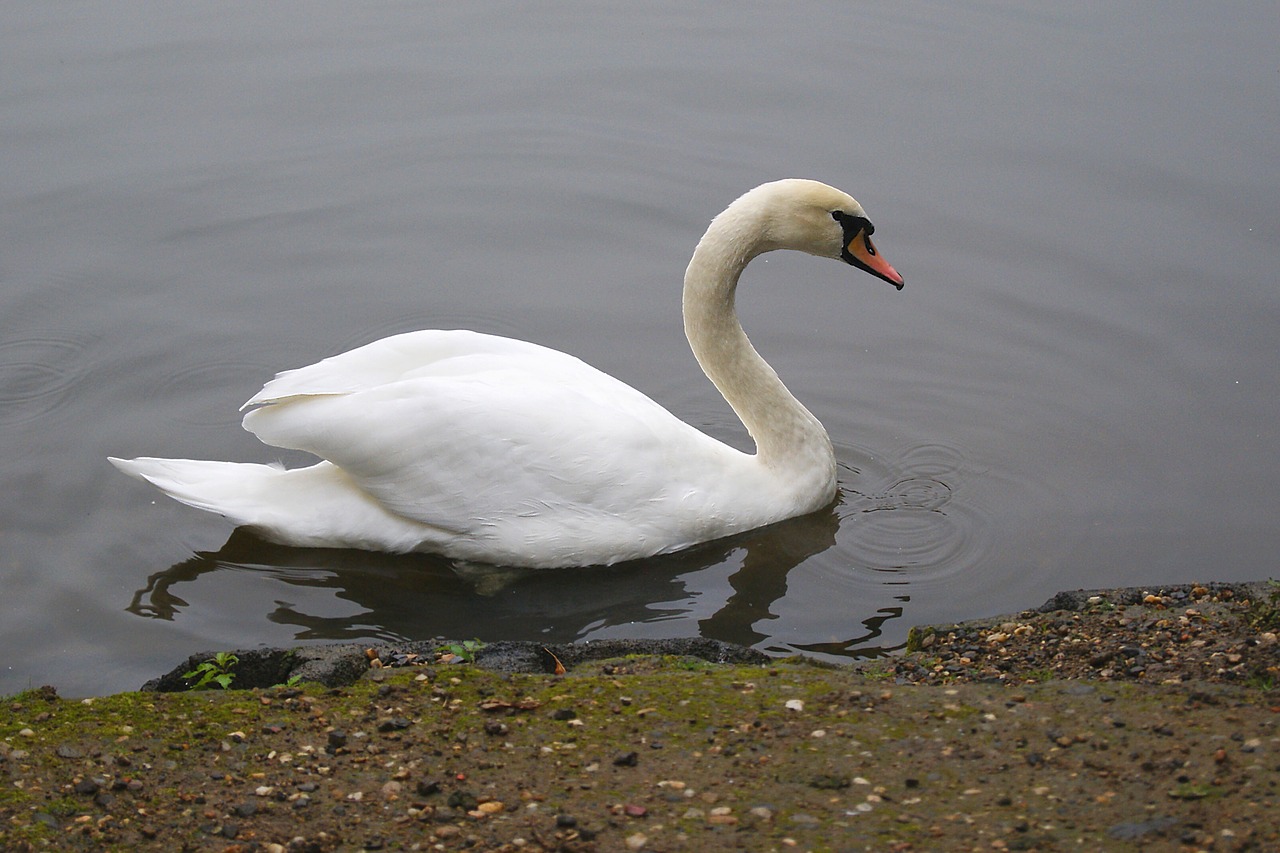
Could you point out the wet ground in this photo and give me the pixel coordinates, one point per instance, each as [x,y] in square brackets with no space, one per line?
[1107,720]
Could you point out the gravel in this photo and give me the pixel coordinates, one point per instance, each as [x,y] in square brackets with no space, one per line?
[1118,719]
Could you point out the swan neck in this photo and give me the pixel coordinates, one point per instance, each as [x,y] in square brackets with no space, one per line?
[788,438]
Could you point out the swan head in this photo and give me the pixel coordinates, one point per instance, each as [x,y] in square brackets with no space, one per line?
[809,216]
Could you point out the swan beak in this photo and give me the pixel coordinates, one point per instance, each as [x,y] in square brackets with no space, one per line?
[861,252]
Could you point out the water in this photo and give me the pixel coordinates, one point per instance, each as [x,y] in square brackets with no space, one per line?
[1078,386]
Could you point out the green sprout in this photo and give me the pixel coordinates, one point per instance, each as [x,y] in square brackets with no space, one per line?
[216,670]
[464,651]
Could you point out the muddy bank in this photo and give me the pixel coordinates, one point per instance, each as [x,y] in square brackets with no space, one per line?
[1107,720]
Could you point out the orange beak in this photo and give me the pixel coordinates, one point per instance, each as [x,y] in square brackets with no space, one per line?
[861,252]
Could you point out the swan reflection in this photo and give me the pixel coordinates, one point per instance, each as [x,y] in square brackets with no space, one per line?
[731,587]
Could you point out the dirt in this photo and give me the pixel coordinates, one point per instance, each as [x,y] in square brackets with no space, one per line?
[1108,720]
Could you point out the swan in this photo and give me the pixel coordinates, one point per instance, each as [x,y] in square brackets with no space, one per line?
[489,450]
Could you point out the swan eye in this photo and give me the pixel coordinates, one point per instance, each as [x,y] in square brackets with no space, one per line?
[837,215]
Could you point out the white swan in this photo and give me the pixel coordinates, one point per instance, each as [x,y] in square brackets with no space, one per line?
[492,450]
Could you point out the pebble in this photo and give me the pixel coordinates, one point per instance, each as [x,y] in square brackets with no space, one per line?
[87,786]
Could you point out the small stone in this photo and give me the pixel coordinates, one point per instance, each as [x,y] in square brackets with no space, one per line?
[632,810]
[464,800]
[565,821]
[637,841]
[66,751]
[627,759]
[829,782]
[795,704]
[87,786]
[394,724]
[337,739]
[245,809]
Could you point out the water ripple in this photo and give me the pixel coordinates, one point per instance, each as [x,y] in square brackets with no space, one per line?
[37,375]
[198,385]
[902,520]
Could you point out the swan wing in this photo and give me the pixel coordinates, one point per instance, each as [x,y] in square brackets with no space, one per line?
[510,446]
[400,357]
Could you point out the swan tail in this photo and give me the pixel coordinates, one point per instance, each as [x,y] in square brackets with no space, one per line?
[226,488]
[318,506]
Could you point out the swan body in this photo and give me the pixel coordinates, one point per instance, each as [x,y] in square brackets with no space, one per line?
[491,450]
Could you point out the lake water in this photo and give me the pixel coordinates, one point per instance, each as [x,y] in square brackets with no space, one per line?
[1079,386]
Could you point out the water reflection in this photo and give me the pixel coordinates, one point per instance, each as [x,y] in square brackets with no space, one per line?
[419,597]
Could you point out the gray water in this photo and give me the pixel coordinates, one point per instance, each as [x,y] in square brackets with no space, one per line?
[1078,387]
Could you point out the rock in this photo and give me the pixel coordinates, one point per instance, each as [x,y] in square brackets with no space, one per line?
[394,724]
[463,799]
[829,782]
[1135,830]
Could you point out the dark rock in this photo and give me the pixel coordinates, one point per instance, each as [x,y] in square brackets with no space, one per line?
[344,663]
[1135,830]
[829,782]
[464,800]
[627,759]
[394,724]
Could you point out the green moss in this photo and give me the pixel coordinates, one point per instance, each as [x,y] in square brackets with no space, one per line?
[1264,613]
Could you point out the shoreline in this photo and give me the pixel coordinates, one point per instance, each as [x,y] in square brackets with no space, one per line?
[1107,719]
